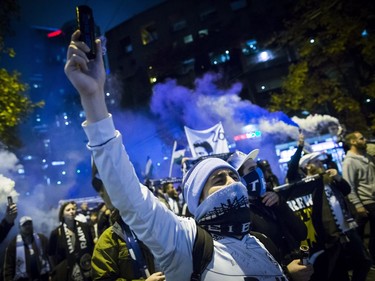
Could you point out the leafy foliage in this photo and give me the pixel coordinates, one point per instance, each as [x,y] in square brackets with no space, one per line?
[15,106]
[334,70]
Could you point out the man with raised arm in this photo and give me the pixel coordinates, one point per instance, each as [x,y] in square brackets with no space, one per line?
[212,188]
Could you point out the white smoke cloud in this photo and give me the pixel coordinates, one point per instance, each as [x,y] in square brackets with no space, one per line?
[207,104]
[278,128]
[7,189]
[9,162]
[315,123]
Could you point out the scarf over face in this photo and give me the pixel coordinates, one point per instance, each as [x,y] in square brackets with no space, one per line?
[223,213]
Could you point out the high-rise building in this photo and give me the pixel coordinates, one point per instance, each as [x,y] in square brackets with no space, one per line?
[184,39]
[51,136]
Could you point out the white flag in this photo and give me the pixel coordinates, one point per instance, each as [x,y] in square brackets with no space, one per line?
[207,142]
[178,153]
[148,169]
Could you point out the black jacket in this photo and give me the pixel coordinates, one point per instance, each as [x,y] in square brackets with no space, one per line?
[280,224]
[10,260]
[5,227]
[327,232]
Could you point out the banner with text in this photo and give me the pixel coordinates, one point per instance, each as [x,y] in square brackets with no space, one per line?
[302,207]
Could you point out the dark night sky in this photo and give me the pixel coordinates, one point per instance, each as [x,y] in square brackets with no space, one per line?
[107,13]
[54,14]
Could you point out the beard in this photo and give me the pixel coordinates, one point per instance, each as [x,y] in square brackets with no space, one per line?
[362,147]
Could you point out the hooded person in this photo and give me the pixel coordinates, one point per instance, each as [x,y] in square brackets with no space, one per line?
[212,189]
[218,201]
[224,211]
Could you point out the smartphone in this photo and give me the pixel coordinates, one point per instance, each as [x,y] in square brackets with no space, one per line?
[10,200]
[86,24]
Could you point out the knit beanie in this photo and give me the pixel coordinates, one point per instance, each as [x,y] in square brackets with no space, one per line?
[196,178]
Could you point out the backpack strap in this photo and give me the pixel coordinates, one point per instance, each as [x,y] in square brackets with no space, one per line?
[134,248]
[268,244]
[202,253]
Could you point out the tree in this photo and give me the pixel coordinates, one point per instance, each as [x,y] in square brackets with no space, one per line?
[15,106]
[334,70]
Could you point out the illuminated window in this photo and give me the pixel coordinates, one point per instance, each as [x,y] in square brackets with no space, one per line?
[149,34]
[219,58]
[265,56]
[188,39]
[249,47]
[203,32]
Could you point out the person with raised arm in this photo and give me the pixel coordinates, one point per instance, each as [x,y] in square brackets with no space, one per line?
[212,188]
[7,222]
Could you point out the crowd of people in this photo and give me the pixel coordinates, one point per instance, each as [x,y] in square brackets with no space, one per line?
[225,221]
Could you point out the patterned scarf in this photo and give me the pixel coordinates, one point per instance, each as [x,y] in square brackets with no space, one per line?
[21,259]
[79,259]
[226,212]
[343,218]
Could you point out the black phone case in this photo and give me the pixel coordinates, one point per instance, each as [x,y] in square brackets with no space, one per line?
[86,24]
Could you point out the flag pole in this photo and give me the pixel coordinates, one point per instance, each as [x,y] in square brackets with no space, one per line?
[173,150]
